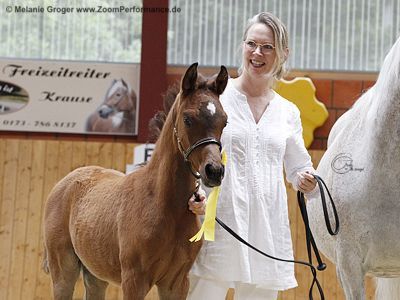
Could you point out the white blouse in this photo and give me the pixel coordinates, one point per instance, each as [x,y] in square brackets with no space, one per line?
[253,200]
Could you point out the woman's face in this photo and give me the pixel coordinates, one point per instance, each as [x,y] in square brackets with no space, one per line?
[259,50]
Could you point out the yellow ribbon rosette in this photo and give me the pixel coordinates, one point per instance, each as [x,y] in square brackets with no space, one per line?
[208,226]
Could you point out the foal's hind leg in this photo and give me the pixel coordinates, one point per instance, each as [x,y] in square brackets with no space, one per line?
[64,268]
[95,289]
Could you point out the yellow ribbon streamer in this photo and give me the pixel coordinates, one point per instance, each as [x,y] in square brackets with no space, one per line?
[208,226]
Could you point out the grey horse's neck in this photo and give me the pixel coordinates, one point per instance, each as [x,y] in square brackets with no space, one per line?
[385,140]
[387,95]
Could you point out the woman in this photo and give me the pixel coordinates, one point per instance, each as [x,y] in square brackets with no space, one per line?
[263,137]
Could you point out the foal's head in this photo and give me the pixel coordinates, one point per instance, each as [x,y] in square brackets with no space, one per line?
[198,123]
[119,98]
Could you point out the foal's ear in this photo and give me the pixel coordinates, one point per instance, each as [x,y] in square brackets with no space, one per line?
[221,81]
[189,80]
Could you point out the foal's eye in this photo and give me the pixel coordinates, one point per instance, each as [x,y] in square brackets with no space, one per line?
[187,121]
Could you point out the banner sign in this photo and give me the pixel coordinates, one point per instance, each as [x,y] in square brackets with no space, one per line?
[70,97]
[141,154]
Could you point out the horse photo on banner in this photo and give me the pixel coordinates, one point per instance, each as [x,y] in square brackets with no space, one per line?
[117,113]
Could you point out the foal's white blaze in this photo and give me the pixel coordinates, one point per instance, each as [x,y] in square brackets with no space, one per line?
[211,108]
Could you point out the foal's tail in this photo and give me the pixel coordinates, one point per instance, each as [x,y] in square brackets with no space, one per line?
[45,262]
[387,289]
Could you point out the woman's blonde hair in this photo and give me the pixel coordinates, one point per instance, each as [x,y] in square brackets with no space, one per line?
[281,41]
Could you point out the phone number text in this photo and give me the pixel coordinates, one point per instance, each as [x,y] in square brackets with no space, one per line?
[40,124]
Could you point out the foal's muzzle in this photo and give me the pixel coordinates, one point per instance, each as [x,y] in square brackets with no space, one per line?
[214,174]
[186,153]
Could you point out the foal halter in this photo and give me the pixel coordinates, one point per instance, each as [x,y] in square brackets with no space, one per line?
[188,151]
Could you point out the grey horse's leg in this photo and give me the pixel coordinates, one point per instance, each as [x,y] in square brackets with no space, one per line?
[95,289]
[350,272]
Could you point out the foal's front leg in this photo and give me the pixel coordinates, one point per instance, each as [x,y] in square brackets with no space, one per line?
[176,292]
[134,283]
[176,285]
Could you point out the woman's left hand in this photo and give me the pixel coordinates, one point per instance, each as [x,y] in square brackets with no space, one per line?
[306,182]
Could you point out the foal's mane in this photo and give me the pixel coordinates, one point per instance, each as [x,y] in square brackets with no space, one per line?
[157,122]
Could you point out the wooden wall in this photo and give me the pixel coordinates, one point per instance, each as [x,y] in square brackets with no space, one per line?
[29,169]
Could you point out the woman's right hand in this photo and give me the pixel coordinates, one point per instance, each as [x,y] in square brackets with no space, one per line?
[198,207]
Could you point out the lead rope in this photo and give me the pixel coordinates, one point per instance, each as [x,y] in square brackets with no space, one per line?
[309,237]
[310,242]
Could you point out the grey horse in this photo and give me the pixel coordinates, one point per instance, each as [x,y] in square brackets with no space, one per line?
[362,170]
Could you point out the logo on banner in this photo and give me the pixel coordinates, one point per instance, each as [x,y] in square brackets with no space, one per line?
[12,97]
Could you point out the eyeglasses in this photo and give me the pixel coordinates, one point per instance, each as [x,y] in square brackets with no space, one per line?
[264,48]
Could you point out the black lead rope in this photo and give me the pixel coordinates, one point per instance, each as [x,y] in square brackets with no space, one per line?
[310,242]
[309,236]
[322,185]
[312,268]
